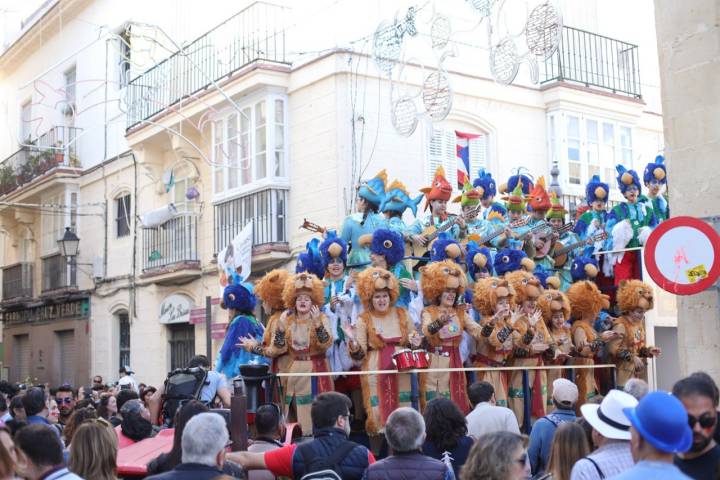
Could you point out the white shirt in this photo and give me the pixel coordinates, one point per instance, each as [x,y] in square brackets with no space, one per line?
[488,418]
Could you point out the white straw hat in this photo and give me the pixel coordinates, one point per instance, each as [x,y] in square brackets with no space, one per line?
[608,417]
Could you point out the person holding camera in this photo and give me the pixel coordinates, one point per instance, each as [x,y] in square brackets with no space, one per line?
[126,379]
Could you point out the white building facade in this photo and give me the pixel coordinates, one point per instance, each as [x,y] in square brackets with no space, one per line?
[271,116]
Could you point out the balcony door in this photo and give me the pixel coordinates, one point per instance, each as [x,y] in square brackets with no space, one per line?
[65,355]
[20,368]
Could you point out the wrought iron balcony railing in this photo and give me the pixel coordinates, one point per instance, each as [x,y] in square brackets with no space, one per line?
[267,209]
[595,61]
[58,274]
[55,148]
[17,281]
[172,243]
[255,33]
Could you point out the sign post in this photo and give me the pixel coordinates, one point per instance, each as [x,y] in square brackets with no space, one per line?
[682,255]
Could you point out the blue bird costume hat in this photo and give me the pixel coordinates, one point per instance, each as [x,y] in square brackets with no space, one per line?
[311,261]
[478,259]
[487,183]
[240,297]
[596,190]
[389,244]
[333,247]
[518,176]
[445,247]
[584,268]
[627,178]
[511,259]
[656,171]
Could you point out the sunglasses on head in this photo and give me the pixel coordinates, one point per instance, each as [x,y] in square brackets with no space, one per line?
[706,420]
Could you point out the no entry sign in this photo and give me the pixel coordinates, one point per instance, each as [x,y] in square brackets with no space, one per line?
[682,255]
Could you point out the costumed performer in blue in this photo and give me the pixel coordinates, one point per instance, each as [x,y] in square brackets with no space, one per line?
[240,301]
[396,201]
[338,298]
[387,251]
[487,200]
[367,219]
[629,225]
[655,177]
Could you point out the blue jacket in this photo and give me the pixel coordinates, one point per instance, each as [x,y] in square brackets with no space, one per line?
[407,466]
[541,438]
[324,443]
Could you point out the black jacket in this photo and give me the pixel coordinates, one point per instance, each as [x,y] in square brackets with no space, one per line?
[324,443]
[190,471]
[407,466]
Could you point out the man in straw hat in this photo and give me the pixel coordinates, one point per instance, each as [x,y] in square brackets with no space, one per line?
[611,436]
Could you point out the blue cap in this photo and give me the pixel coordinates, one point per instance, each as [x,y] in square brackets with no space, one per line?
[487,183]
[389,244]
[662,421]
[596,189]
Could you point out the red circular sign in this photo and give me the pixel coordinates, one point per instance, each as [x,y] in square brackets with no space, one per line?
[682,255]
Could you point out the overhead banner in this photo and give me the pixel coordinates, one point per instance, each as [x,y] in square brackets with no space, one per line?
[235,260]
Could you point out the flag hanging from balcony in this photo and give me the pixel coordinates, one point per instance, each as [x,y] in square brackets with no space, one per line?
[462,148]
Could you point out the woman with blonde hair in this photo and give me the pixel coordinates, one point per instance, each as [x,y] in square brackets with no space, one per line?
[93,452]
[497,456]
[568,446]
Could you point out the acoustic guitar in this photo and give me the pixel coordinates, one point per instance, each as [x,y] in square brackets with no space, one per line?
[547,245]
[432,232]
[561,253]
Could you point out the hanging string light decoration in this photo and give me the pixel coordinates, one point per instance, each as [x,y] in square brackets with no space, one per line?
[484,7]
[436,95]
[543,30]
[404,116]
[387,46]
[504,61]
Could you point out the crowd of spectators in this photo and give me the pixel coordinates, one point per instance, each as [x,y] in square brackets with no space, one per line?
[69,433]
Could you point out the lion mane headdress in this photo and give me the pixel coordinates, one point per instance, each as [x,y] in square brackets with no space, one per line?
[373,280]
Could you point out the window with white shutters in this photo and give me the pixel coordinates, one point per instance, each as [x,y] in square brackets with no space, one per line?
[442,151]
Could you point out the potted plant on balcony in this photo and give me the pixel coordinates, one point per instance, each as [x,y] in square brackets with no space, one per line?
[59,153]
[24,173]
[7,179]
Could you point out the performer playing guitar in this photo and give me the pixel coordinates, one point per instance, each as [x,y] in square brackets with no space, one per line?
[436,198]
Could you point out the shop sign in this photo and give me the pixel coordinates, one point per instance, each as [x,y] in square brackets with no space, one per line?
[176,309]
[76,309]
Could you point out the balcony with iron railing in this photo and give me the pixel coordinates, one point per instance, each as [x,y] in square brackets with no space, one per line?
[17,281]
[268,210]
[594,61]
[171,246]
[254,34]
[58,275]
[55,149]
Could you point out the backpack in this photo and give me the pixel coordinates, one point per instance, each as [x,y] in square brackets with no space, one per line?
[323,468]
[182,385]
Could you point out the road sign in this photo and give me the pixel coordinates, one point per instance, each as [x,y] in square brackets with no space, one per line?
[682,255]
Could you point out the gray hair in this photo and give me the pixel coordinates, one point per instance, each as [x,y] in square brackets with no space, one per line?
[205,435]
[636,387]
[405,430]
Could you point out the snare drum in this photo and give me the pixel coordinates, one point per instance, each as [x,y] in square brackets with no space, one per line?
[421,358]
[404,360]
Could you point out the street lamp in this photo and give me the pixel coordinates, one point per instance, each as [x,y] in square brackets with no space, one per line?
[69,244]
